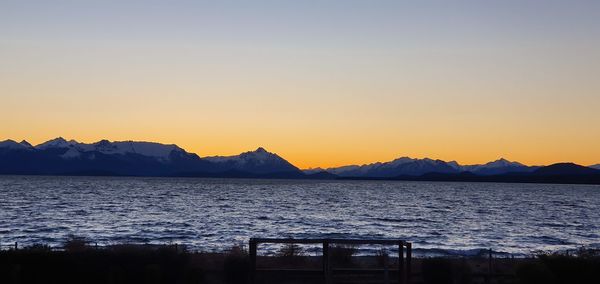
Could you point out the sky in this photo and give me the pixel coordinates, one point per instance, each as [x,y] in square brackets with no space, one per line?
[321,83]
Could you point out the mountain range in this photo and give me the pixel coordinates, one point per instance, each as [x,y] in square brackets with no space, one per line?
[132,158]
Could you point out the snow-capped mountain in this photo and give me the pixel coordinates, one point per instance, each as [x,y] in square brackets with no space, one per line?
[69,157]
[400,166]
[259,161]
[75,149]
[406,166]
[500,166]
[595,166]
[61,156]
[56,143]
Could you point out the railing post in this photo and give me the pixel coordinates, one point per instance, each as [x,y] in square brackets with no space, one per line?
[408,262]
[386,272]
[252,253]
[326,267]
[401,262]
[489,272]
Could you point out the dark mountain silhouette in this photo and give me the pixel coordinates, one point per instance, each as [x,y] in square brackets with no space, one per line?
[556,173]
[322,175]
[416,167]
[132,158]
[259,161]
[404,165]
[565,169]
[500,166]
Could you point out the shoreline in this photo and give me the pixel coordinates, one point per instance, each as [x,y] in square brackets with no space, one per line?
[272,250]
[592,180]
[80,262]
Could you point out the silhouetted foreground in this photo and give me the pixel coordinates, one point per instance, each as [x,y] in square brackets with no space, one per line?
[79,263]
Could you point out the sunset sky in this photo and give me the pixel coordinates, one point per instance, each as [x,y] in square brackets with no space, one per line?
[322,83]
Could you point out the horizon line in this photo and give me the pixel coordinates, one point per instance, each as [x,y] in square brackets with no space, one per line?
[303,168]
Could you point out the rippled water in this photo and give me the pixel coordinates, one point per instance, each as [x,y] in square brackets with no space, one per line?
[212,214]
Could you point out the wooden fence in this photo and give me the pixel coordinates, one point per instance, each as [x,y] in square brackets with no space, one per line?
[404,254]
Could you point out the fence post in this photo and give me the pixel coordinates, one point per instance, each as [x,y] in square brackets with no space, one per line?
[252,254]
[16,246]
[401,262]
[408,262]
[386,272]
[489,272]
[326,267]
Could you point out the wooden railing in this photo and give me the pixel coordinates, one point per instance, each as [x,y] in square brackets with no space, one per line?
[404,256]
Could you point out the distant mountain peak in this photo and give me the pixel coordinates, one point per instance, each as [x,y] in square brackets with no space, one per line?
[566,169]
[257,161]
[12,144]
[151,149]
[26,144]
[58,142]
[503,162]
[314,170]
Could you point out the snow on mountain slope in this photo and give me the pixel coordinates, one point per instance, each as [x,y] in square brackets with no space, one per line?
[149,149]
[260,156]
[397,167]
[56,143]
[409,166]
[258,161]
[500,166]
[595,166]
[75,149]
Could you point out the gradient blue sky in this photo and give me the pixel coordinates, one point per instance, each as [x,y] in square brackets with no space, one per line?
[323,83]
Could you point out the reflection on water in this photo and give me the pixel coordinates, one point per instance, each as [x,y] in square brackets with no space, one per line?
[213,214]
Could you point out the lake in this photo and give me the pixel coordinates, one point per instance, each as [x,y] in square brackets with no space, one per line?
[214,214]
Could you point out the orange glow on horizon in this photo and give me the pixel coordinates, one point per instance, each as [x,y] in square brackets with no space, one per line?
[306,158]
[355,84]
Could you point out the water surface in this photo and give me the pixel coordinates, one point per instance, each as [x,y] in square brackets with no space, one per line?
[214,214]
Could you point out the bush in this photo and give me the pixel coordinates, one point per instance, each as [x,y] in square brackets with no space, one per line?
[534,272]
[442,270]
[383,257]
[38,248]
[75,244]
[342,254]
[290,250]
[568,269]
[236,266]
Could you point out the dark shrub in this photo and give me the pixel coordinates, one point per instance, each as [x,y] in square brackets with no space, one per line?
[39,248]
[236,266]
[290,250]
[568,269]
[291,255]
[442,270]
[383,257]
[534,272]
[342,254]
[75,244]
